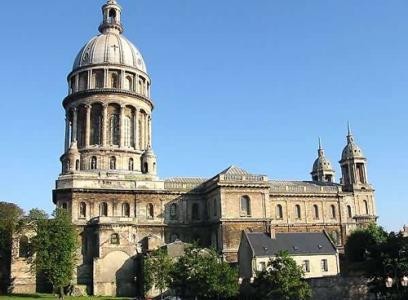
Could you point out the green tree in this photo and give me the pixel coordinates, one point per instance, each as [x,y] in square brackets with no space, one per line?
[55,246]
[36,214]
[157,270]
[283,279]
[10,216]
[364,241]
[201,273]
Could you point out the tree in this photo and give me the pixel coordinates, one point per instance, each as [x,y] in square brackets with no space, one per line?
[35,215]
[363,241]
[55,245]
[157,271]
[10,216]
[283,279]
[201,273]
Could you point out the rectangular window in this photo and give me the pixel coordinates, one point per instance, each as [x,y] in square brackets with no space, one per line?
[262,266]
[324,266]
[306,266]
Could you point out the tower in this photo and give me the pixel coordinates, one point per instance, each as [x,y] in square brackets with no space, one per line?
[108,108]
[322,170]
[353,166]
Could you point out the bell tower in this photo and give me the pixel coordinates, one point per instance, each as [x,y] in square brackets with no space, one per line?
[322,169]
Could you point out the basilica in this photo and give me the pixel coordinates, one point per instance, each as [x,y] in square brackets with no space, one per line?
[123,209]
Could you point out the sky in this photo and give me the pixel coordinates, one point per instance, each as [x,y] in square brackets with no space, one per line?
[246,83]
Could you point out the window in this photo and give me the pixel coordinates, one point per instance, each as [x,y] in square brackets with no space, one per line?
[83,81]
[131,164]
[195,211]
[315,212]
[323,265]
[329,178]
[127,132]
[77,165]
[114,130]
[349,213]
[112,163]
[173,211]
[174,237]
[262,266]
[96,124]
[298,212]
[245,206]
[103,209]
[114,81]
[98,79]
[82,210]
[64,205]
[112,16]
[150,211]
[129,83]
[94,163]
[279,212]
[360,173]
[146,167]
[126,210]
[24,247]
[215,207]
[365,206]
[306,266]
[333,211]
[115,239]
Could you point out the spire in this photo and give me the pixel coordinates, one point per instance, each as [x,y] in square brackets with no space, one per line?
[320,151]
[111,17]
[349,134]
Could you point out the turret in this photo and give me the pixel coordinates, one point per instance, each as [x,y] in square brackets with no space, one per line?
[322,169]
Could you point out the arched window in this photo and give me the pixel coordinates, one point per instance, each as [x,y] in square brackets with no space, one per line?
[316,212]
[24,247]
[150,211]
[114,130]
[64,205]
[298,212]
[349,213]
[245,206]
[127,124]
[141,88]
[195,211]
[112,16]
[173,211]
[103,209]
[333,211]
[67,165]
[83,81]
[129,83]
[82,210]
[98,80]
[365,206]
[112,163]
[114,81]
[94,163]
[96,124]
[77,165]
[115,239]
[126,210]
[279,212]
[131,164]
[146,167]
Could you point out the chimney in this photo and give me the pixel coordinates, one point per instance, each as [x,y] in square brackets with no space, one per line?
[273,234]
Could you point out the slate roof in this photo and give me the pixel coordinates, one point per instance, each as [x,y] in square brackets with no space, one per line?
[294,243]
[233,170]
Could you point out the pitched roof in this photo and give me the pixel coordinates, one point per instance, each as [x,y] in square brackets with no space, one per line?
[233,170]
[294,243]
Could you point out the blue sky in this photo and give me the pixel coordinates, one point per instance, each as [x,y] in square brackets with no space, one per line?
[249,83]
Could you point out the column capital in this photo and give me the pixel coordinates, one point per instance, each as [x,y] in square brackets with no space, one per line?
[88,106]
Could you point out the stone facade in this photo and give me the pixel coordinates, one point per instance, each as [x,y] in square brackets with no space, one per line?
[110,186]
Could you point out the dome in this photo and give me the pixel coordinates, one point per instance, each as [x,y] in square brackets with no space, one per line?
[352,150]
[322,164]
[110,47]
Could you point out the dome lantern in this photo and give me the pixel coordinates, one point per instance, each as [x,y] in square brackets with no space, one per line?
[111,18]
[322,170]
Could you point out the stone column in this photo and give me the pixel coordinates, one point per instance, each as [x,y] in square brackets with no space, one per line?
[135,127]
[122,126]
[74,125]
[67,127]
[104,123]
[88,125]
[142,131]
[146,131]
[150,131]
[105,78]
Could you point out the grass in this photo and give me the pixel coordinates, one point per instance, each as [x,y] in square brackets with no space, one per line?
[49,296]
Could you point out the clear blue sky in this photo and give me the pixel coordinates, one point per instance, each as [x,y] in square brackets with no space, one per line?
[250,83]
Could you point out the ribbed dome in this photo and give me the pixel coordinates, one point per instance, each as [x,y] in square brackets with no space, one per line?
[322,164]
[110,48]
[352,150]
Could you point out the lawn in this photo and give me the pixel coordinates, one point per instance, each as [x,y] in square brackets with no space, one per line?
[47,296]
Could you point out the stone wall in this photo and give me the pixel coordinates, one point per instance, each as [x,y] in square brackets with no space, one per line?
[340,288]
